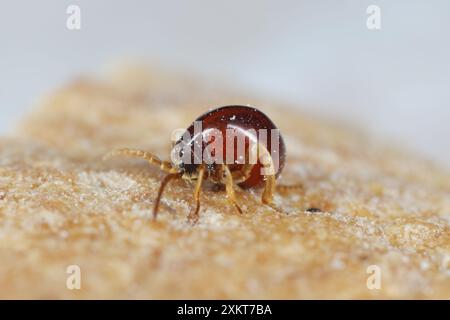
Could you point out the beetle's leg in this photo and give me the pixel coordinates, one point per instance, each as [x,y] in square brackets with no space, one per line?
[193,216]
[269,179]
[164,182]
[244,173]
[229,185]
[151,158]
[268,172]
[269,190]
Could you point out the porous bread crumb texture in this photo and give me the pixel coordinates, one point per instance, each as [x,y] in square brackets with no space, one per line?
[61,205]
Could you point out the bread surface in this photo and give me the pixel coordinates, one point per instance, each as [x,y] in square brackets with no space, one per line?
[62,205]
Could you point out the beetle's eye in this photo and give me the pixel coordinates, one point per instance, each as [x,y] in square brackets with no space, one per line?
[176,154]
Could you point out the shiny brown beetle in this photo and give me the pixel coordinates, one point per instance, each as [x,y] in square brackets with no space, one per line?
[236,129]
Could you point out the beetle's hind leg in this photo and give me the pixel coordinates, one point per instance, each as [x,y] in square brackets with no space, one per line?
[268,171]
[229,185]
[269,180]
[151,158]
[269,190]
[268,193]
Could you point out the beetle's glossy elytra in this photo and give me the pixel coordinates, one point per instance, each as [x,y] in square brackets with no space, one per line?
[246,123]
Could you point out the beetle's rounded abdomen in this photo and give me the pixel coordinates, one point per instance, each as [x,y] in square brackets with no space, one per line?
[241,127]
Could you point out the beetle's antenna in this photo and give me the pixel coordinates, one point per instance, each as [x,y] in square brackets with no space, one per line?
[164,182]
[151,158]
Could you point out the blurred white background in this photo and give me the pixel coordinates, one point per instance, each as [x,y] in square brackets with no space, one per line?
[394,81]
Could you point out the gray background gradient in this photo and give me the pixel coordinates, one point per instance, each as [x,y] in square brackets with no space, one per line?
[395,81]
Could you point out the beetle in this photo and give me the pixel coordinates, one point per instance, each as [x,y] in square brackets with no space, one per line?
[249,162]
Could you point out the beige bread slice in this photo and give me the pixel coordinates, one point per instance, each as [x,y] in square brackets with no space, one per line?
[61,205]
